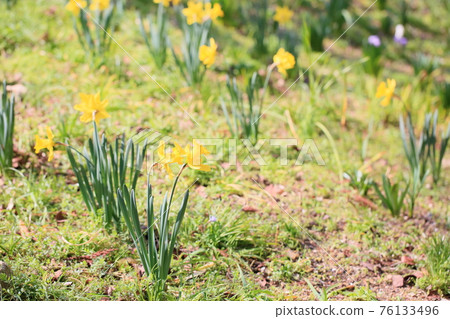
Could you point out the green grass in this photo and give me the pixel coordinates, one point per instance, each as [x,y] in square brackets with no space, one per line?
[437,263]
[263,253]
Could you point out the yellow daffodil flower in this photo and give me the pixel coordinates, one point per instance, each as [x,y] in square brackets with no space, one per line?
[284,61]
[92,108]
[194,12]
[99,5]
[213,12]
[283,15]
[45,143]
[386,91]
[207,54]
[74,7]
[165,159]
[194,157]
[178,154]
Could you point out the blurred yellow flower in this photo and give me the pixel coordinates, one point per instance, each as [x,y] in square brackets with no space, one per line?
[283,60]
[165,3]
[45,143]
[92,108]
[176,156]
[283,14]
[386,91]
[165,159]
[99,5]
[74,6]
[213,12]
[194,12]
[207,54]
[192,156]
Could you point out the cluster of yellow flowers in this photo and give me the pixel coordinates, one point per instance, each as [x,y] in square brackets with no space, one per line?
[283,60]
[191,155]
[94,109]
[167,3]
[283,15]
[199,12]
[74,6]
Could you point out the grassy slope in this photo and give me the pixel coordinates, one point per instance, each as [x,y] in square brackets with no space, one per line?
[261,254]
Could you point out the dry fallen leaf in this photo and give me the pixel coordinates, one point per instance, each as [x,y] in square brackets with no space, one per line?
[249,209]
[262,283]
[206,266]
[407,260]
[201,191]
[368,265]
[23,230]
[60,217]
[274,190]
[57,275]
[109,290]
[103,252]
[10,205]
[17,89]
[293,254]
[365,202]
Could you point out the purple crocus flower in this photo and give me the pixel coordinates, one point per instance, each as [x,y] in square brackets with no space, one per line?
[402,41]
[399,35]
[212,219]
[374,40]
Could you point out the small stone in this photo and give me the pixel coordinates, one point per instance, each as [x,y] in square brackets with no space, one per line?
[397,281]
